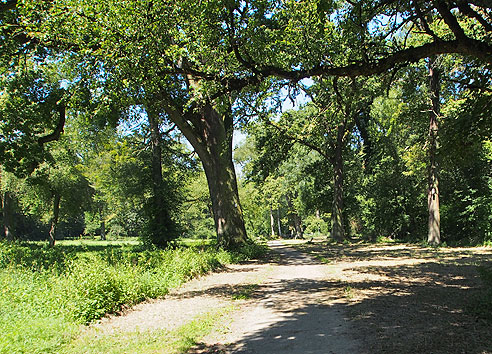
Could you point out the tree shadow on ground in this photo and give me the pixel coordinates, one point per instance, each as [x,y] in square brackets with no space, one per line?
[427,305]
[422,306]
[395,300]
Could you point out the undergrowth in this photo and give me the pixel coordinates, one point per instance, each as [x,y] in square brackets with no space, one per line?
[47,293]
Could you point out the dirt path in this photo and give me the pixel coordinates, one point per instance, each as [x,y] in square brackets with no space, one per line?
[281,306]
[290,311]
[331,299]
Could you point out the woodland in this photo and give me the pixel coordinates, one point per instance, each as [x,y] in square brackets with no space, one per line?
[177,136]
[117,116]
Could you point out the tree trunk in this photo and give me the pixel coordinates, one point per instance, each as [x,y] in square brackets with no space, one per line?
[318,219]
[103,225]
[279,222]
[296,219]
[221,177]
[362,125]
[159,214]
[434,233]
[272,222]
[7,209]
[210,134]
[337,228]
[54,220]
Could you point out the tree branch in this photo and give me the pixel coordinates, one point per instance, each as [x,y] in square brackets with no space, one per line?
[299,140]
[467,46]
[424,22]
[468,11]
[55,135]
[450,20]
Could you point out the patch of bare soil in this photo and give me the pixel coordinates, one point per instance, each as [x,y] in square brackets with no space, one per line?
[283,305]
[408,299]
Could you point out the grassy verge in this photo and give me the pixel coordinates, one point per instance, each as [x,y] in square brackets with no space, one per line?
[47,294]
[160,341]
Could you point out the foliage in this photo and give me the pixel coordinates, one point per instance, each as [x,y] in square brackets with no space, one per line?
[48,291]
[29,106]
[196,216]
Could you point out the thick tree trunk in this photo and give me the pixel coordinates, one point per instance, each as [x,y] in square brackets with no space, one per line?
[7,209]
[434,233]
[210,134]
[337,228]
[54,219]
[228,217]
[221,178]
[160,219]
[272,222]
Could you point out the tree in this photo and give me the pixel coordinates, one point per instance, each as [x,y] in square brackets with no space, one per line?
[207,122]
[121,168]
[197,70]
[326,126]
[434,234]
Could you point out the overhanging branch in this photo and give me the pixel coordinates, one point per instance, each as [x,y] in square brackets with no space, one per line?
[55,135]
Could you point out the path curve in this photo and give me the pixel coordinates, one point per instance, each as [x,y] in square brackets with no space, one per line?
[291,311]
[284,306]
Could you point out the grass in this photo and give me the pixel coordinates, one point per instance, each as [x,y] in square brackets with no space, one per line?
[47,294]
[246,292]
[177,341]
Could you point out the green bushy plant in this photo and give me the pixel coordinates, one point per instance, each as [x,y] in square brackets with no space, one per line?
[45,293]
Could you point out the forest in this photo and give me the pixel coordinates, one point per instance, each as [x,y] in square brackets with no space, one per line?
[227,123]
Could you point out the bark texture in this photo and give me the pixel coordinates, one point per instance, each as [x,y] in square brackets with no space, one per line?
[210,134]
[160,220]
[272,222]
[221,178]
[434,233]
[337,228]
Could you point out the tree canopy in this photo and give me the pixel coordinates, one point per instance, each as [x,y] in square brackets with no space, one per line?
[211,66]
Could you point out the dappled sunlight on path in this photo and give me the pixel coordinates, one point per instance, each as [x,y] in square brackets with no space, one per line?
[290,311]
[328,298]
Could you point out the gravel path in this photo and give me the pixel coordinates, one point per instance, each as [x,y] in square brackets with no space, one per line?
[291,311]
[362,299]
[282,306]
